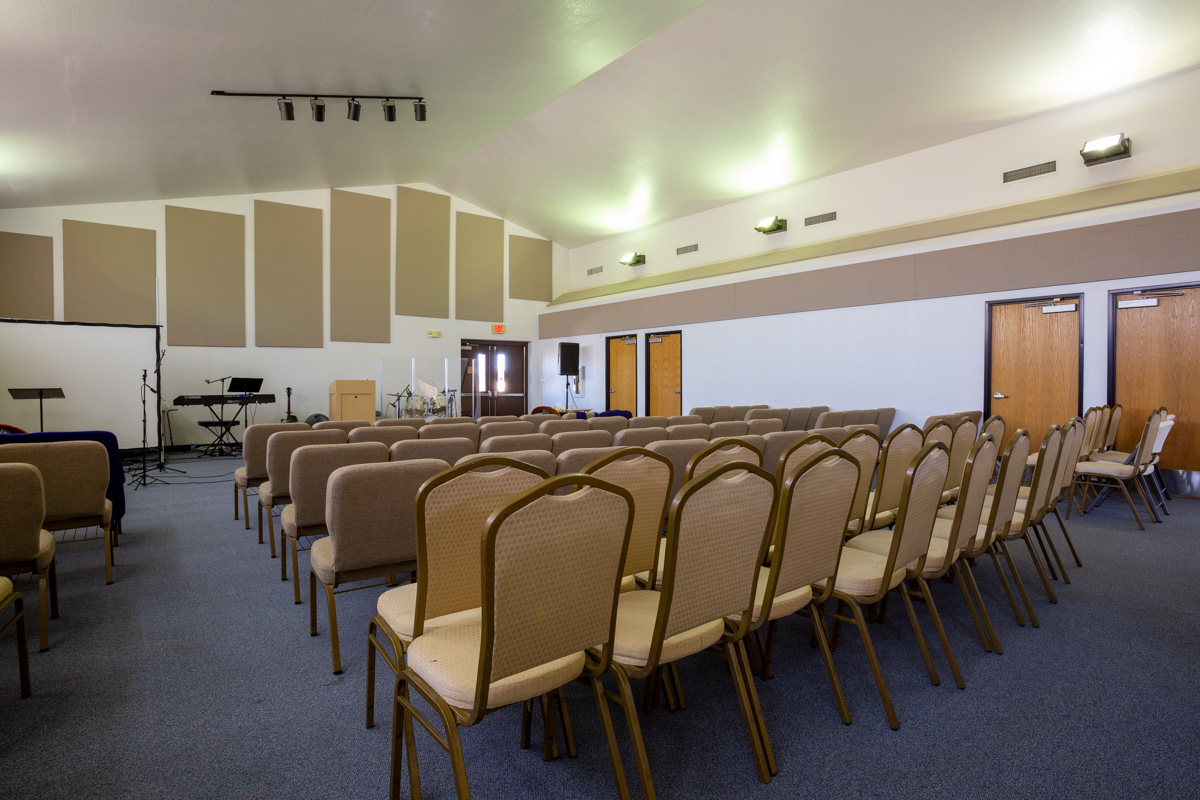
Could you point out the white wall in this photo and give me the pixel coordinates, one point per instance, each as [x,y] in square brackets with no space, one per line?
[308,370]
[959,177]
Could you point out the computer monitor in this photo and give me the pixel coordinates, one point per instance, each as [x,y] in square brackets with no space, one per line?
[244,385]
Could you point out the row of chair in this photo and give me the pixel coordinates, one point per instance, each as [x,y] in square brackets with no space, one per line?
[1101,467]
[799,419]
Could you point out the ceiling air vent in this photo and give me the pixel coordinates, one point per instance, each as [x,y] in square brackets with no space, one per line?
[830,216]
[691,248]
[1029,172]
[594,270]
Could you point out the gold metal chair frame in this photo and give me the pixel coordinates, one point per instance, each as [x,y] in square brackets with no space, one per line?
[716,446]
[18,621]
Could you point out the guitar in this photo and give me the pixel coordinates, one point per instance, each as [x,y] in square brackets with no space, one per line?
[290,416]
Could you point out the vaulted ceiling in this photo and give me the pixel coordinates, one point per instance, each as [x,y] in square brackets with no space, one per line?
[576,119]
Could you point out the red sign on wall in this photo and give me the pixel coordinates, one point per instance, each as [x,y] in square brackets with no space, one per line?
[497,328]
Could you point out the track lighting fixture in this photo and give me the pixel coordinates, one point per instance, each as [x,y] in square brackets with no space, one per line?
[771,225]
[287,110]
[633,259]
[1105,149]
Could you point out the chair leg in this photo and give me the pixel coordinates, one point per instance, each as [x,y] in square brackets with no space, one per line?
[625,698]
[271,529]
[983,612]
[235,501]
[246,506]
[969,601]
[108,553]
[549,712]
[335,646]
[1137,483]
[43,612]
[1007,589]
[768,650]
[1066,535]
[673,679]
[1040,569]
[1043,533]
[764,740]
[54,588]
[1012,567]
[838,695]
[372,632]
[403,735]
[610,739]
[260,528]
[1129,500]
[564,717]
[1037,535]
[861,624]
[941,632]
[734,659]
[916,626]
[295,543]
[22,645]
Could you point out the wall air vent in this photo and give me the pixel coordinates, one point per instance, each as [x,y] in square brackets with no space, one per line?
[830,216]
[594,270]
[1029,172]
[691,248]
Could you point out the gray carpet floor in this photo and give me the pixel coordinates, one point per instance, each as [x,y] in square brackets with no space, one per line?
[194,676]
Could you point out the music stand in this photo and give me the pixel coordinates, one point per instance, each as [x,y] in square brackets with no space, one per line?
[244,385]
[39,395]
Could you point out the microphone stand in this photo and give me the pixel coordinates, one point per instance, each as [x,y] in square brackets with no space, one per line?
[142,476]
[162,448]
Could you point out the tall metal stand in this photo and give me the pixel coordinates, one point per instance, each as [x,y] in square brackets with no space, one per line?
[141,475]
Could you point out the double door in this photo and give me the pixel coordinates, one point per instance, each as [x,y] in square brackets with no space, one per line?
[494,378]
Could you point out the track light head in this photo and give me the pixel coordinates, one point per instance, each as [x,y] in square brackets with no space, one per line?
[389,110]
[318,109]
[287,112]
[353,109]
[419,110]
[1105,149]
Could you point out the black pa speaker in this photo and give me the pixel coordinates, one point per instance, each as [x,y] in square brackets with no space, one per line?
[568,358]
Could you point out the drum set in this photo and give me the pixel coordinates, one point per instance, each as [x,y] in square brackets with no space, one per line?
[409,405]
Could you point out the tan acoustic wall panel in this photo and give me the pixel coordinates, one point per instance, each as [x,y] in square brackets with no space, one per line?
[26,276]
[479,268]
[206,278]
[108,274]
[360,228]
[529,269]
[1133,248]
[422,253]
[288,256]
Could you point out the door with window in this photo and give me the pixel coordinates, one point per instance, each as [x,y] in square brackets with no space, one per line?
[1034,376]
[664,374]
[494,378]
[621,377]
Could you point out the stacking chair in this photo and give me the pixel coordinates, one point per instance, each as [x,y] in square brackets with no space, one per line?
[10,598]
[610,424]
[550,578]
[544,460]
[694,431]
[577,458]
[648,422]
[1091,426]
[705,413]
[452,509]
[864,447]
[942,555]
[416,423]
[517,428]
[647,476]
[449,450]
[569,440]
[639,437]
[1064,476]
[1153,489]
[253,472]
[1028,518]
[718,530]
[559,425]
[275,490]
[386,436]
[939,431]
[451,430]
[685,419]
[343,425]
[775,443]
[724,414]
[520,441]
[961,443]
[309,473]
[761,427]
[719,430]
[895,456]
[864,577]
[1114,425]
[990,539]
[372,532]
[719,452]
[816,501]
[484,420]
[75,479]
[1097,444]
[24,545]
[537,417]
[451,421]
[1098,473]
[679,452]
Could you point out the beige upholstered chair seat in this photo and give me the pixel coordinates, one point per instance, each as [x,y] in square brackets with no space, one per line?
[267,496]
[288,518]
[240,478]
[448,660]
[1110,456]
[85,521]
[321,559]
[942,528]
[1031,462]
[636,615]
[880,542]
[784,604]
[884,517]
[860,573]
[1105,469]
[399,606]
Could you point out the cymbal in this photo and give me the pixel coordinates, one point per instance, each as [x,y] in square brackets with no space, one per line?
[398,394]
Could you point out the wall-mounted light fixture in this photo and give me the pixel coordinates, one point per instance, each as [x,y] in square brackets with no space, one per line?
[771,225]
[633,259]
[287,111]
[1105,149]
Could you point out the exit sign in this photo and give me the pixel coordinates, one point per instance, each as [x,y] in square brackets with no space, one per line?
[497,328]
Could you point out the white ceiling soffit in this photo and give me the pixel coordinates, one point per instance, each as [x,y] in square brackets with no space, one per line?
[109,101]
[740,97]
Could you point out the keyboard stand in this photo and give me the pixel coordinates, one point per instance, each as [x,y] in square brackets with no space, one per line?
[225,442]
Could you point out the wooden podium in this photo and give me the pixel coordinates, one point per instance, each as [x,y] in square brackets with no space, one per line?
[352,400]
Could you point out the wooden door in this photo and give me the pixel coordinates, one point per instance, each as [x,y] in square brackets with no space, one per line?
[622,374]
[1157,363]
[1034,353]
[664,384]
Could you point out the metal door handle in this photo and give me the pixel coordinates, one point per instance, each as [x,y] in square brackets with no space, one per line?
[679,392]
[998,396]
[612,391]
